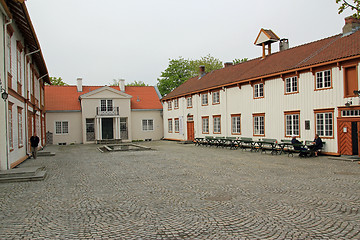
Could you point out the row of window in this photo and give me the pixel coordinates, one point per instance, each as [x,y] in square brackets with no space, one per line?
[324,124]
[323,81]
[204,100]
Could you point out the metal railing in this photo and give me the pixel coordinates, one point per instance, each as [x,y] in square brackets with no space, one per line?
[113,112]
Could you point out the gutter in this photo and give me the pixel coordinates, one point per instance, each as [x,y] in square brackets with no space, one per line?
[6,102]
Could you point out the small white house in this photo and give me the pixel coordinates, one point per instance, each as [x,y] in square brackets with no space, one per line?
[90,114]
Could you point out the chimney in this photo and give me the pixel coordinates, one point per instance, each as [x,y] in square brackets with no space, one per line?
[122,85]
[201,71]
[79,84]
[284,44]
[352,24]
[228,64]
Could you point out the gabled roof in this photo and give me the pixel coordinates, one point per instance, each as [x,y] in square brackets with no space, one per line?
[108,90]
[322,52]
[266,35]
[66,98]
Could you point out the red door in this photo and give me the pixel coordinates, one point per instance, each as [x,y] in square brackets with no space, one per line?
[190,131]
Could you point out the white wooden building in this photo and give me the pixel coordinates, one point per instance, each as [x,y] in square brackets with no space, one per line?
[23,75]
[298,91]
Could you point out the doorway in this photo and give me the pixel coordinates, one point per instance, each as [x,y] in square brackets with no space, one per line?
[355,138]
[107,128]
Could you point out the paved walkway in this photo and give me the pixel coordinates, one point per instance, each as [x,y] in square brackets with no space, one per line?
[182,192]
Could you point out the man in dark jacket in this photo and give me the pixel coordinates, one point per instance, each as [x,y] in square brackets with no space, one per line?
[298,146]
[34,142]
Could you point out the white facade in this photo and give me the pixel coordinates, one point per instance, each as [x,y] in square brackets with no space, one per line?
[105,113]
[274,105]
[23,110]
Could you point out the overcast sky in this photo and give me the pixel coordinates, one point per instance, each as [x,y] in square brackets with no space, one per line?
[111,39]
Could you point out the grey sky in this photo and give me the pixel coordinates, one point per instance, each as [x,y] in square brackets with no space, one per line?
[110,39]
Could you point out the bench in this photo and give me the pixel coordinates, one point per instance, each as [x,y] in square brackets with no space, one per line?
[268,144]
[246,142]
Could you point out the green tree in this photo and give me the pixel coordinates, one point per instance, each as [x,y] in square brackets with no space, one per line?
[137,84]
[236,60]
[353,6]
[57,81]
[208,61]
[180,70]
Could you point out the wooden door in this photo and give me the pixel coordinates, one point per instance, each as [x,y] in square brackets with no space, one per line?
[190,131]
[345,138]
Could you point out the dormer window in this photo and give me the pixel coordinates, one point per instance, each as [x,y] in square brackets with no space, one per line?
[106,105]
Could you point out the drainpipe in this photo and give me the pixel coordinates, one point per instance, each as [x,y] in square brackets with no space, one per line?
[6,87]
[26,105]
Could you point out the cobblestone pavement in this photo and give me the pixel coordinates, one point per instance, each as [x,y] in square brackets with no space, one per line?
[182,192]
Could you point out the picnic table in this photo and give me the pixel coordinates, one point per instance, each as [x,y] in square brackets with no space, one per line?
[267,144]
[246,142]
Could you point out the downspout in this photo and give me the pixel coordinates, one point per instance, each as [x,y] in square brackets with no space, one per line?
[6,102]
[26,105]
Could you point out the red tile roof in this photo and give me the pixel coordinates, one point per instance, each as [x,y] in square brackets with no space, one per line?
[305,56]
[66,98]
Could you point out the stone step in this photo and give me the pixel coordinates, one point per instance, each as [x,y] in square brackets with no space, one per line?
[22,174]
[43,153]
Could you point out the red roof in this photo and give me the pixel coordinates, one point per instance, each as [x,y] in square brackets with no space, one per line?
[66,98]
[305,56]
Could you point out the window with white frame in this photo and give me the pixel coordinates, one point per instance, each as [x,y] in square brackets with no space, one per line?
[291,84]
[217,124]
[106,105]
[18,65]
[176,123]
[176,103]
[204,99]
[170,125]
[259,90]
[216,97]
[324,124]
[61,127]
[323,79]
[235,124]
[169,105]
[147,124]
[8,46]
[205,125]
[20,127]
[259,124]
[189,102]
[292,124]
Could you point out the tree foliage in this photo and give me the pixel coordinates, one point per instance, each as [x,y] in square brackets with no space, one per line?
[180,70]
[354,5]
[237,60]
[57,81]
[137,84]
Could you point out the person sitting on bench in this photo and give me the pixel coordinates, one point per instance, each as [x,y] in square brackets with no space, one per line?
[317,145]
[298,146]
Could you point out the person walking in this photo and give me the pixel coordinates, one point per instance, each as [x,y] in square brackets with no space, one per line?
[34,142]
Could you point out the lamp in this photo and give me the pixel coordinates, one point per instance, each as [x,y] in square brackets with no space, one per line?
[357,92]
[4,94]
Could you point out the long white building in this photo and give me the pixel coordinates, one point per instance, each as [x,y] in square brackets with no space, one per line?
[299,91]
[22,78]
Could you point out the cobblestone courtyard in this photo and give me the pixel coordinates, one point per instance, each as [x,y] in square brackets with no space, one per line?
[182,192]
